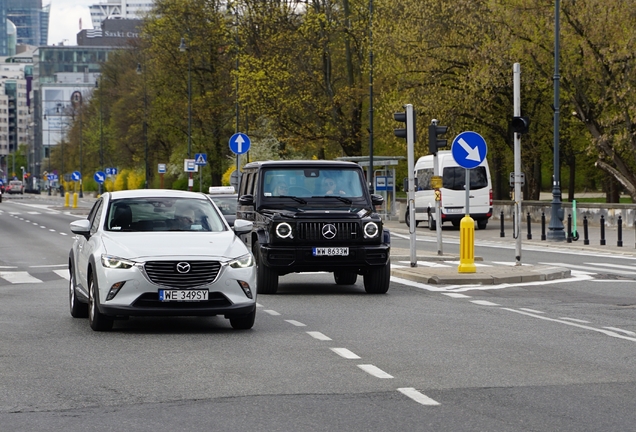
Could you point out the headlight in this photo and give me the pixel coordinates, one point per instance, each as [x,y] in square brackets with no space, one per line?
[371,230]
[283,230]
[110,261]
[243,262]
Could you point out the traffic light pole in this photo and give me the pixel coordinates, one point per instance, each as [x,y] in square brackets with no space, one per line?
[410,152]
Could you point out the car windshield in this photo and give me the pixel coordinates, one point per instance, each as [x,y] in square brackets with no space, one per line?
[163,214]
[312,182]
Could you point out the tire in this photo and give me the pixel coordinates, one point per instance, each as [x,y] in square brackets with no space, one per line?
[378,279]
[243,323]
[97,320]
[456,224]
[77,308]
[431,222]
[407,219]
[266,278]
[345,277]
[481,223]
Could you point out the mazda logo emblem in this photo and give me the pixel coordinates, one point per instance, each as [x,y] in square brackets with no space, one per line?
[329,231]
[183,267]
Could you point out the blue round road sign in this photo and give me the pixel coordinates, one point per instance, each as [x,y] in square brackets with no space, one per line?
[99,177]
[239,143]
[469,149]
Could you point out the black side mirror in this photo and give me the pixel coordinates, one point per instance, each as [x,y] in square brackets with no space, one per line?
[246,200]
[377,200]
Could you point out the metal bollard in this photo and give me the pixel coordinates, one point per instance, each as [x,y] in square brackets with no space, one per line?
[569,228]
[501,218]
[529,226]
[602,230]
[586,238]
[619,242]
[543,226]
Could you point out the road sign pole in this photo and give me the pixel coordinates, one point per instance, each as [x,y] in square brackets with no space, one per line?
[516,69]
[410,145]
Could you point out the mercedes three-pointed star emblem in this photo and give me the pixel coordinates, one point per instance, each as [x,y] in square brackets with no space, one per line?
[329,231]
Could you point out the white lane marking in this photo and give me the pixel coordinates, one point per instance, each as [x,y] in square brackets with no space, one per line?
[627,332]
[63,233]
[608,333]
[35,223]
[456,295]
[52,230]
[33,212]
[343,352]
[62,273]
[318,335]
[375,371]
[19,277]
[612,280]
[510,263]
[296,323]
[630,267]
[49,266]
[484,303]
[531,310]
[42,226]
[592,268]
[417,396]
[575,320]
[271,312]
[8,267]
[259,305]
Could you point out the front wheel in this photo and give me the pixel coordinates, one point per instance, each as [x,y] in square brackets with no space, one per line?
[243,323]
[378,279]
[266,278]
[97,320]
[78,309]
[345,277]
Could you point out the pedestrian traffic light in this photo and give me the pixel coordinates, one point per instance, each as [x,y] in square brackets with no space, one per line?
[408,118]
[520,125]
[434,131]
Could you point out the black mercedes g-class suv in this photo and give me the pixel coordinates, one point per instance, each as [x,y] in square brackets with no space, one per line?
[314,215]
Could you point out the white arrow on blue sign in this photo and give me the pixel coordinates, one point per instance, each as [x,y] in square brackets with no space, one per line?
[240,143]
[76,175]
[99,177]
[200,159]
[469,149]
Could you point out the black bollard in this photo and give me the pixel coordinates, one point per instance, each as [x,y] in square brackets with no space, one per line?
[619,242]
[542,226]
[586,238]
[529,227]
[602,230]
[501,218]
[569,228]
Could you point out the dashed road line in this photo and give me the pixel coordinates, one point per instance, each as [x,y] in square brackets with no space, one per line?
[345,353]
[417,396]
[271,312]
[374,370]
[318,335]
[627,332]
[296,323]
[575,320]
[531,310]
[484,303]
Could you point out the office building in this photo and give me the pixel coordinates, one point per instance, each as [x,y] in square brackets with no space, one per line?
[119,9]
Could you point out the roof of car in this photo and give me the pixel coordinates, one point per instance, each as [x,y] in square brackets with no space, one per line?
[301,163]
[168,193]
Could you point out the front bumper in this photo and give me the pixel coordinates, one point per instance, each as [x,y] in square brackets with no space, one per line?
[289,259]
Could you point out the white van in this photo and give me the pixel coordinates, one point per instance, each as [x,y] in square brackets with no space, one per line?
[453,191]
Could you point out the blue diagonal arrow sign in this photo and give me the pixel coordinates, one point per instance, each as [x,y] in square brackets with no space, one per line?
[469,149]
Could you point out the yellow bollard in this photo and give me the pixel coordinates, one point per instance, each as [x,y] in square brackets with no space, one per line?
[66,198]
[75,200]
[467,245]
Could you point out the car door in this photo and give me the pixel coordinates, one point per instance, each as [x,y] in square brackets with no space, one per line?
[85,247]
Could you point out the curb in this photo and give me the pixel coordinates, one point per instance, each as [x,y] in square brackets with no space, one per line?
[483,276]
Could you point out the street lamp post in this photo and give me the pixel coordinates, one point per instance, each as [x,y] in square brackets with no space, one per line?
[555,227]
[145,127]
[184,48]
[101,138]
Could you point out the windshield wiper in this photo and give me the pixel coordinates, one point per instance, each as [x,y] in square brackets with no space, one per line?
[295,198]
[343,199]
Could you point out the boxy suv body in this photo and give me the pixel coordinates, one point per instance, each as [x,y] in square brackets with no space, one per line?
[314,216]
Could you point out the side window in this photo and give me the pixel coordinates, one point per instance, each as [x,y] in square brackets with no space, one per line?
[96,216]
[424,178]
[244,186]
[478,178]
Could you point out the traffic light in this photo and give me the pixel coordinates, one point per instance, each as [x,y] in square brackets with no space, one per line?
[520,125]
[408,118]
[434,132]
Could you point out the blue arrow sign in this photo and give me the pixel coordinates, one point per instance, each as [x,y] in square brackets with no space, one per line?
[99,177]
[200,159]
[240,143]
[76,175]
[469,149]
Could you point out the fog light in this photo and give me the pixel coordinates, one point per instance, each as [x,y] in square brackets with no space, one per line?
[114,290]
[246,288]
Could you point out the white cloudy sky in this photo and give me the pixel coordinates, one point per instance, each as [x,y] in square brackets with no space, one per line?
[65,18]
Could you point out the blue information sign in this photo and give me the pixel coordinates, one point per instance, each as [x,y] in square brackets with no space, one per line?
[99,177]
[469,149]
[239,143]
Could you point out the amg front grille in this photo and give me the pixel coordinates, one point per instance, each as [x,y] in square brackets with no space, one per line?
[344,231]
[165,273]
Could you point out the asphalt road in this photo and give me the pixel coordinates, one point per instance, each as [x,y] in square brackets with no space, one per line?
[557,355]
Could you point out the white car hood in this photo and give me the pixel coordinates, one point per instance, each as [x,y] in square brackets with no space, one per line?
[139,246]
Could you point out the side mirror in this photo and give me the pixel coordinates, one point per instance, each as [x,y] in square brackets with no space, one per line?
[242,226]
[81,227]
[377,200]
[246,200]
